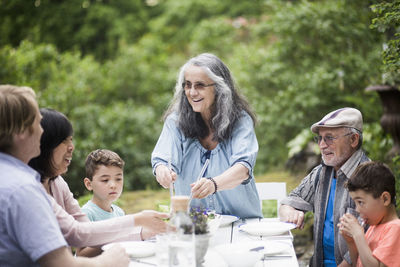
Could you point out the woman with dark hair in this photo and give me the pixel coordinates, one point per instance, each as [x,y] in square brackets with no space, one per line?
[208,119]
[56,154]
[56,149]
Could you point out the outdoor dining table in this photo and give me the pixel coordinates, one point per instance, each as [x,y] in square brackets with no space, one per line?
[232,234]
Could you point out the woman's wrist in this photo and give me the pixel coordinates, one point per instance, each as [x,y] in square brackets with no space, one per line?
[158,168]
[215,184]
[137,219]
[141,235]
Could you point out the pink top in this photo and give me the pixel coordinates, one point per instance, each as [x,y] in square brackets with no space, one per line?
[59,190]
[76,227]
[384,242]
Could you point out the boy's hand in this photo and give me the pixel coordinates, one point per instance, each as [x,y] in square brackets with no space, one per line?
[152,222]
[165,176]
[345,235]
[349,227]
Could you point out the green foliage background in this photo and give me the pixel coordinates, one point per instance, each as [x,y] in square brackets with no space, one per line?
[110,66]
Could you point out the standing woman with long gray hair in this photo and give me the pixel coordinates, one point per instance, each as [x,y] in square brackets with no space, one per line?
[209,119]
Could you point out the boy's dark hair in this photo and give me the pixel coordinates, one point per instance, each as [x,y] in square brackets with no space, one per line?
[102,157]
[375,178]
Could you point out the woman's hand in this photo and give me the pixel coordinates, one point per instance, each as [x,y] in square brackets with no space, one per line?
[165,176]
[152,222]
[349,227]
[115,256]
[202,188]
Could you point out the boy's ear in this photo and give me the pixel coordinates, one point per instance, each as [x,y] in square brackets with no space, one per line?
[88,183]
[386,198]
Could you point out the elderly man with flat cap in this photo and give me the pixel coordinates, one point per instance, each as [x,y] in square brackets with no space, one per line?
[339,137]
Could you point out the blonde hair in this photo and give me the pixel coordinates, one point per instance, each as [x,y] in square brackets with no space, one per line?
[18,109]
[102,157]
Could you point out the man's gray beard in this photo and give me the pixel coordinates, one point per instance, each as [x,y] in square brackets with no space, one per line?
[338,161]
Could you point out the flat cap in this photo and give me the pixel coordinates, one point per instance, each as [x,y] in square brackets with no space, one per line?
[344,117]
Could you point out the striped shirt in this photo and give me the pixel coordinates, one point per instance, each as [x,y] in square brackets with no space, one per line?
[313,194]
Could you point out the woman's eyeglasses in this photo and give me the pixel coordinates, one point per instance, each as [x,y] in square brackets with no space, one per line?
[197,86]
[328,139]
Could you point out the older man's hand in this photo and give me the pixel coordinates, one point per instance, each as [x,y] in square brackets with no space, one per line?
[290,214]
[151,222]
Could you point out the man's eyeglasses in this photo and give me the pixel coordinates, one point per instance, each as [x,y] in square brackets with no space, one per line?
[197,86]
[328,139]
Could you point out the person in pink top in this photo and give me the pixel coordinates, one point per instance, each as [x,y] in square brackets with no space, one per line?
[56,154]
[372,187]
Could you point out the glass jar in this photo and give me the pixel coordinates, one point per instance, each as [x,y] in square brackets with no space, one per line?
[181,233]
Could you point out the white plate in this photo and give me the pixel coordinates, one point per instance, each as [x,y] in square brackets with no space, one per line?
[241,254]
[267,228]
[135,249]
[227,220]
[275,247]
[214,259]
[213,224]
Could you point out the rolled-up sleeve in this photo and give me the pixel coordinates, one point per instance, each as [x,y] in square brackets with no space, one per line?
[302,197]
[244,145]
[167,147]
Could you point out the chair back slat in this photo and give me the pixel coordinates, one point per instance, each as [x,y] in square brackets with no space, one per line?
[271,191]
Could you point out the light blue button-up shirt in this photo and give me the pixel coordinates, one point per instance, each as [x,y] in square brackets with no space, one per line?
[28,226]
[188,156]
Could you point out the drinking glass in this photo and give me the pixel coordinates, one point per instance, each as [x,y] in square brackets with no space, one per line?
[161,249]
[357,215]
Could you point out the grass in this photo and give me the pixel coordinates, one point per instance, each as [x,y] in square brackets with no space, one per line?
[280,176]
[135,201]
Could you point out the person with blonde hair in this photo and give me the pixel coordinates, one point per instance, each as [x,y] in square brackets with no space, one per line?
[29,231]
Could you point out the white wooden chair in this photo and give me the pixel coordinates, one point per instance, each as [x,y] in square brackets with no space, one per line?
[271,191]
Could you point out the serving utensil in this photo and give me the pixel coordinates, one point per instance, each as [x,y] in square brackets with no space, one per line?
[143,262]
[203,170]
[171,186]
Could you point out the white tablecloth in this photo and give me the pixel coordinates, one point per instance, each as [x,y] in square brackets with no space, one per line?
[231,234]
